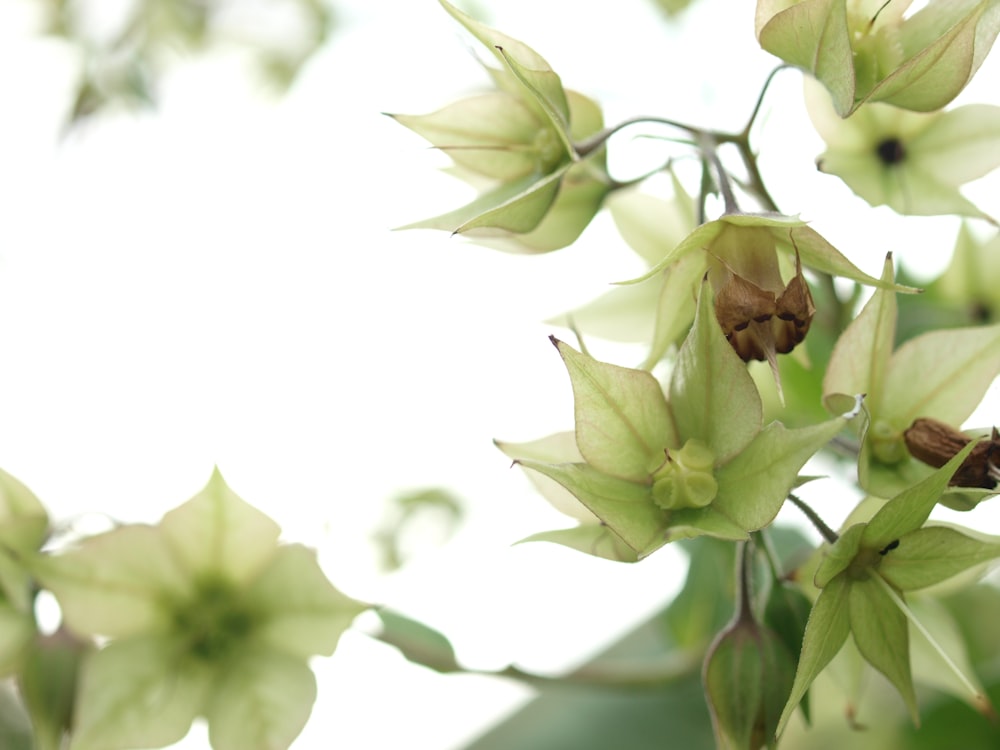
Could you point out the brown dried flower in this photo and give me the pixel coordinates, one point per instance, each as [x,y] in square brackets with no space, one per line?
[934,443]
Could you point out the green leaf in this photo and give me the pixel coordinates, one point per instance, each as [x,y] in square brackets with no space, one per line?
[826,631]
[305,613]
[882,636]
[261,703]
[942,374]
[594,539]
[625,506]
[712,396]
[622,421]
[753,486]
[838,557]
[134,693]
[416,641]
[908,511]
[933,554]
[17,630]
[705,604]
[861,355]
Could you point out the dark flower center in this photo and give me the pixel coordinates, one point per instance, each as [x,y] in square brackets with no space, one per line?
[215,622]
[891,151]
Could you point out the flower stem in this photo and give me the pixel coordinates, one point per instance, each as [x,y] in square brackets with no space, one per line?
[828,534]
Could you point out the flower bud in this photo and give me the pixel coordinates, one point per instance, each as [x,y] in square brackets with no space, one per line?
[748,677]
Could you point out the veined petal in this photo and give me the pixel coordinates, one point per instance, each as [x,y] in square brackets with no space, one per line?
[217,533]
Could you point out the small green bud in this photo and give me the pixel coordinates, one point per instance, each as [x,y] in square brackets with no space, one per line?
[748,677]
[887,443]
[700,488]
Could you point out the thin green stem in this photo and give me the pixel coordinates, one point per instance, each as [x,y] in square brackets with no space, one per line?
[763,540]
[828,534]
[598,139]
[744,610]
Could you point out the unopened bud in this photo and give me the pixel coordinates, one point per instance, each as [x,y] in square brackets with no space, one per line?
[748,677]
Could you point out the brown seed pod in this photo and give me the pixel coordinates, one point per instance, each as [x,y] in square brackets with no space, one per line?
[935,443]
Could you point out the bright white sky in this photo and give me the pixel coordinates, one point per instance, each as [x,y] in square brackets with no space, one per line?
[216,283]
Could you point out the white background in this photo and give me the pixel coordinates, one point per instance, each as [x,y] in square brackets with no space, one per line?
[216,282]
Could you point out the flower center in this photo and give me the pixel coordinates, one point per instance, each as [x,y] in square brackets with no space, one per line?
[891,151]
[215,622]
[685,480]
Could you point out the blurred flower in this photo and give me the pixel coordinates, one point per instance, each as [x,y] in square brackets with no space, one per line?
[912,162]
[866,50]
[208,616]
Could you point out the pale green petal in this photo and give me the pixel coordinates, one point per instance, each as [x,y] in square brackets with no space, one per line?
[491,134]
[860,358]
[115,584]
[712,396]
[881,634]
[814,36]
[962,144]
[651,226]
[593,539]
[626,507]
[941,374]
[934,554]
[585,115]
[689,523]
[534,72]
[623,424]
[558,448]
[754,485]
[626,313]
[945,43]
[23,520]
[135,693]
[217,533]
[302,613]
[261,703]
[578,199]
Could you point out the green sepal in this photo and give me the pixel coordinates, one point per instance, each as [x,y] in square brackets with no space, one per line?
[882,635]
[826,630]
[839,556]
[623,423]
[753,486]
[909,510]
[623,505]
[712,396]
[594,539]
[933,554]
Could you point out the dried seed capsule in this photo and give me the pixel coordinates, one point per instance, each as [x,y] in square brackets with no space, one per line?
[935,443]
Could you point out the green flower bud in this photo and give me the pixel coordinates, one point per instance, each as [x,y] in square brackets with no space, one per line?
[748,677]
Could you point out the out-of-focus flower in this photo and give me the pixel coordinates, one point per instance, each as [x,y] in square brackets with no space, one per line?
[867,50]
[910,161]
[520,138]
[207,615]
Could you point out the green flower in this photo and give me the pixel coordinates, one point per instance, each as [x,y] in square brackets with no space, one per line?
[520,138]
[862,578]
[941,375]
[910,161]
[866,50]
[655,470]
[207,615]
